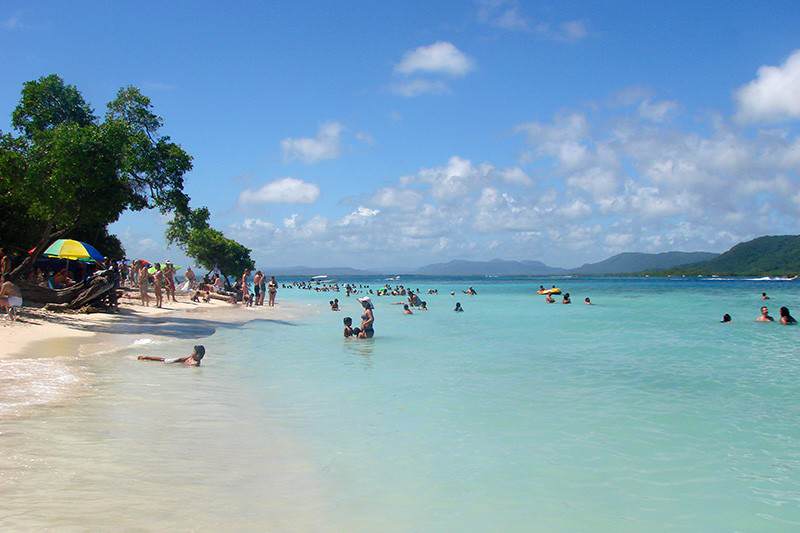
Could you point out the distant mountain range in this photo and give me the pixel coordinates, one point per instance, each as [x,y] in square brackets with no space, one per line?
[625,263]
[773,255]
[764,256]
[631,262]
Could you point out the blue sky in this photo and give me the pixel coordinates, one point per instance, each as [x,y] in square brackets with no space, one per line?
[378,135]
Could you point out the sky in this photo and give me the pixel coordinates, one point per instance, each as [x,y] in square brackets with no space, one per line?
[397,134]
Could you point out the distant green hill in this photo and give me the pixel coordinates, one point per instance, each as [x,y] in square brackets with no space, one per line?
[774,255]
[632,262]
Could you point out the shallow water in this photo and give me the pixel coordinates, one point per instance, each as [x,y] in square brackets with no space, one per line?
[639,413]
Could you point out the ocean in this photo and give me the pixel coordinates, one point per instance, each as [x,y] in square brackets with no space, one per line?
[641,412]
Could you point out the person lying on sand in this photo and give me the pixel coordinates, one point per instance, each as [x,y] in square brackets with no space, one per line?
[190,360]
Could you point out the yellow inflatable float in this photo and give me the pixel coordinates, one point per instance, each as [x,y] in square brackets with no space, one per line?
[554,290]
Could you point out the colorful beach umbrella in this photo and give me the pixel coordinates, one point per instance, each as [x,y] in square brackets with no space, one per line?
[74,250]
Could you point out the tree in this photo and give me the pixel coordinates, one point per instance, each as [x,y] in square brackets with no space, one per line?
[67,171]
[209,247]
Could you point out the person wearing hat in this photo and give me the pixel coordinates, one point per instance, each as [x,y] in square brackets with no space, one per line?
[190,360]
[367,319]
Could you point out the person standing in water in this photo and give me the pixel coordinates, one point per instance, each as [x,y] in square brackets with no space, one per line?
[786,317]
[272,288]
[458,308]
[367,319]
[764,317]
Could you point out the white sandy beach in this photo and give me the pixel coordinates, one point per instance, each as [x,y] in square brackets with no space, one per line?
[39,326]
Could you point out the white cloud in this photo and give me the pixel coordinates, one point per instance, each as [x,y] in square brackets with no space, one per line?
[773,95]
[618,241]
[504,14]
[440,57]
[391,197]
[416,87]
[656,111]
[359,216]
[577,209]
[285,190]
[507,15]
[326,145]
[516,176]
[572,30]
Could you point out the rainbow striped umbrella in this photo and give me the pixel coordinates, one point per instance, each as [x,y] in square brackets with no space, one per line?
[74,250]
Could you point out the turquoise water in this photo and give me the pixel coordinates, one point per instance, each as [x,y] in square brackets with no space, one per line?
[639,413]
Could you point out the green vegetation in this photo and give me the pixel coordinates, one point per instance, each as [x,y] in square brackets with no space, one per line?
[209,247]
[776,255]
[65,170]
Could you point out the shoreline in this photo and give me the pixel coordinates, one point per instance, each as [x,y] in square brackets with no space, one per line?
[36,327]
[41,353]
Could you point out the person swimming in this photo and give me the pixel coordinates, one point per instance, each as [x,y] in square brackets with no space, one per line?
[786,317]
[587,301]
[549,299]
[726,318]
[565,299]
[190,360]
[406,310]
[764,296]
[458,308]
[764,317]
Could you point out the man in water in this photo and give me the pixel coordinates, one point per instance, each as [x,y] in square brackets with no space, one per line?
[764,296]
[190,360]
[765,315]
[458,308]
[406,310]
[10,298]
[565,299]
[726,318]
[587,301]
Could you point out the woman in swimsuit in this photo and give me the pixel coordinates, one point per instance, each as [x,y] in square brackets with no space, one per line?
[367,319]
[273,290]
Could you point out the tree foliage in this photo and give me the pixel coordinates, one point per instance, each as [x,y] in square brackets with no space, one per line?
[209,247]
[66,170]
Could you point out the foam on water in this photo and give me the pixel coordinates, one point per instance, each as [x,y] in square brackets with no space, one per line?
[25,383]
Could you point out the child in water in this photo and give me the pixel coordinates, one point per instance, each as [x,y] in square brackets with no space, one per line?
[349,330]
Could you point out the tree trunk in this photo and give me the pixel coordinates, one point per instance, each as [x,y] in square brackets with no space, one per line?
[94,291]
[26,265]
